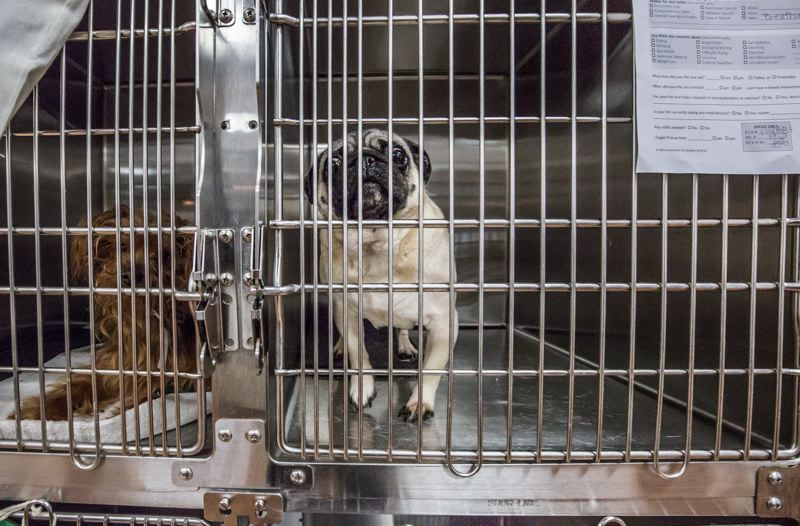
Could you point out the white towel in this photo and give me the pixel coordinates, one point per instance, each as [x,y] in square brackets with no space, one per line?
[32,35]
[110,426]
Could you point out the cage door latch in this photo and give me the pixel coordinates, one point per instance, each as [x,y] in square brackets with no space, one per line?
[778,492]
[209,315]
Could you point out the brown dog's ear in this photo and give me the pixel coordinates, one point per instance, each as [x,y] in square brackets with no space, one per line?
[184,252]
[79,257]
[308,183]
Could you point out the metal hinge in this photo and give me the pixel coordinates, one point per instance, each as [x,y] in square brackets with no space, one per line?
[229,315]
[778,492]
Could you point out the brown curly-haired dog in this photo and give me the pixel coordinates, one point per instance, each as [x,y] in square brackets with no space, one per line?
[109,322]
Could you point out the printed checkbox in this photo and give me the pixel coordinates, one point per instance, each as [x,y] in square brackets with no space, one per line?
[698,61]
[745,62]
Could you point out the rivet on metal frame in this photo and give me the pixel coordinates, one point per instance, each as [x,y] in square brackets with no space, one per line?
[226,236]
[225,435]
[775,478]
[186,473]
[777,488]
[261,508]
[226,16]
[249,15]
[253,435]
[298,476]
[247,234]
[252,125]
[226,124]
[258,507]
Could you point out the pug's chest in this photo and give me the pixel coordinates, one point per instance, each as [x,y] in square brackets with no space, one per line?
[373,268]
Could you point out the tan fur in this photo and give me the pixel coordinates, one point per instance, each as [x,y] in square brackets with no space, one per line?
[375,245]
[109,355]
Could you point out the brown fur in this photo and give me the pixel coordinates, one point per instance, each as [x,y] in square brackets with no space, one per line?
[107,319]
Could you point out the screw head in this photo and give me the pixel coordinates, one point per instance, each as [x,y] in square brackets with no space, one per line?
[226,278]
[247,234]
[252,125]
[249,15]
[186,473]
[297,476]
[226,236]
[775,478]
[261,508]
[225,435]
[225,505]
[774,504]
[226,16]
[253,435]
[210,279]
[225,124]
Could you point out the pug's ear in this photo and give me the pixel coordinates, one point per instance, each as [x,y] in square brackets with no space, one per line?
[308,185]
[426,161]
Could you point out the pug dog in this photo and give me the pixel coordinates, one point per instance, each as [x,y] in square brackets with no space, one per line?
[407,161]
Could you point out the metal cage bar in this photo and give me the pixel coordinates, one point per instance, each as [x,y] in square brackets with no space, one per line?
[645,383]
[93,194]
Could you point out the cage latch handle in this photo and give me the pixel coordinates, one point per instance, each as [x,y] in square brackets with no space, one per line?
[253,245]
[209,311]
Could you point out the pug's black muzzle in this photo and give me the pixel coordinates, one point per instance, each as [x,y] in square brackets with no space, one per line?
[374,187]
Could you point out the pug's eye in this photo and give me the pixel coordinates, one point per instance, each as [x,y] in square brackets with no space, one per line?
[399,158]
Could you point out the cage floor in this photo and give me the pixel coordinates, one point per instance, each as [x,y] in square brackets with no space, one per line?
[524,400]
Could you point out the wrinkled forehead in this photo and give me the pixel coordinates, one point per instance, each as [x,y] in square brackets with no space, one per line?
[372,139]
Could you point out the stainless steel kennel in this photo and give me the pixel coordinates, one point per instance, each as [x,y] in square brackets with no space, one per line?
[628,344]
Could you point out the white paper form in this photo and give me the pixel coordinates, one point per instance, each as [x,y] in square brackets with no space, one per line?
[718,86]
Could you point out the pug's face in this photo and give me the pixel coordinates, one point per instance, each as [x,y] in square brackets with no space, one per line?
[376,149]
